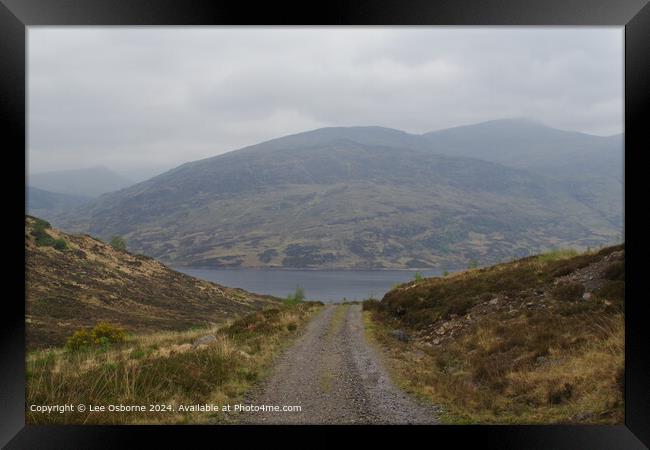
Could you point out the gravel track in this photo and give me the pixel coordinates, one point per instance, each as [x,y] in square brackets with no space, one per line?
[336,378]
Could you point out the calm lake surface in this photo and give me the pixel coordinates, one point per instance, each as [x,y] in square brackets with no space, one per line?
[324,285]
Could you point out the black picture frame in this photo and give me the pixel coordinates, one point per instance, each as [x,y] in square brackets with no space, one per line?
[17,15]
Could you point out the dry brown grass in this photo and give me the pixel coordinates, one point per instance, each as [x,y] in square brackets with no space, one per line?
[162,368]
[542,356]
[479,379]
[90,281]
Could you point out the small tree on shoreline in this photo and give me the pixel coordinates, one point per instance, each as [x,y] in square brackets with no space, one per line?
[118,242]
[295,298]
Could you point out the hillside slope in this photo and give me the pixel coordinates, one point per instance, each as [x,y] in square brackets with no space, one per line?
[76,281]
[42,203]
[591,167]
[527,144]
[359,197]
[92,181]
[538,340]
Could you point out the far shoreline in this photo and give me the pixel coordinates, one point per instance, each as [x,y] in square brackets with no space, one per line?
[314,269]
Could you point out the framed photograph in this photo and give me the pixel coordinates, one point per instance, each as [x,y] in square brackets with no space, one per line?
[375,216]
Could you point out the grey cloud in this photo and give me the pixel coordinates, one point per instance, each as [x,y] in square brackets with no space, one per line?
[136,97]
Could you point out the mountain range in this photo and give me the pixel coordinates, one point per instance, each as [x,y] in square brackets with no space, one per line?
[373,197]
[87,182]
[39,202]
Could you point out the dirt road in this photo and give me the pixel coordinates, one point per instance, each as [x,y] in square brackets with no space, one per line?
[335,377]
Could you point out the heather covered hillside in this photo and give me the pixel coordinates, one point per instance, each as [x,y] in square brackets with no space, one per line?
[76,281]
[372,197]
[538,340]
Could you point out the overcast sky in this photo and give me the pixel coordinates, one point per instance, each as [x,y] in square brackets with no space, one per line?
[139,99]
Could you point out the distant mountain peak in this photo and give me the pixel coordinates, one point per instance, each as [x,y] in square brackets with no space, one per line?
[511,123]
[372,197]
[344,131]
[89,181]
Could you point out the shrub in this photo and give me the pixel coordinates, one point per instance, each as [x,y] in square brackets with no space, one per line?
[43,238]
[613,290]
[246,324]
[459,306]
[564,267]
[572,309]
[118,242]
[40,234]
[40,225]
[615,271]
[557,395]
[102,335]
[473,264]
[371,305]
[418,277]
[111,333]
[295,298]
[60,244]
[562,271]
[620,380]
[568,291]
[81,339]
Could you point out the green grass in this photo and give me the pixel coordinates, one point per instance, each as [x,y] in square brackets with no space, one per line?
[162,368]
[43,239]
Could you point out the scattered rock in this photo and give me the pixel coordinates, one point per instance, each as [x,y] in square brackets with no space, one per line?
[180,348]
[436,342]
[584,415]
[614,256]
[205,340]
[494,301]
[419,354]
[586,296]
[165,352]
[400,335]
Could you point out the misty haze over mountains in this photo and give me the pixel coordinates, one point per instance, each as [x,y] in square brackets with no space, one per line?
[54,192]
[373,197]
[90,182]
